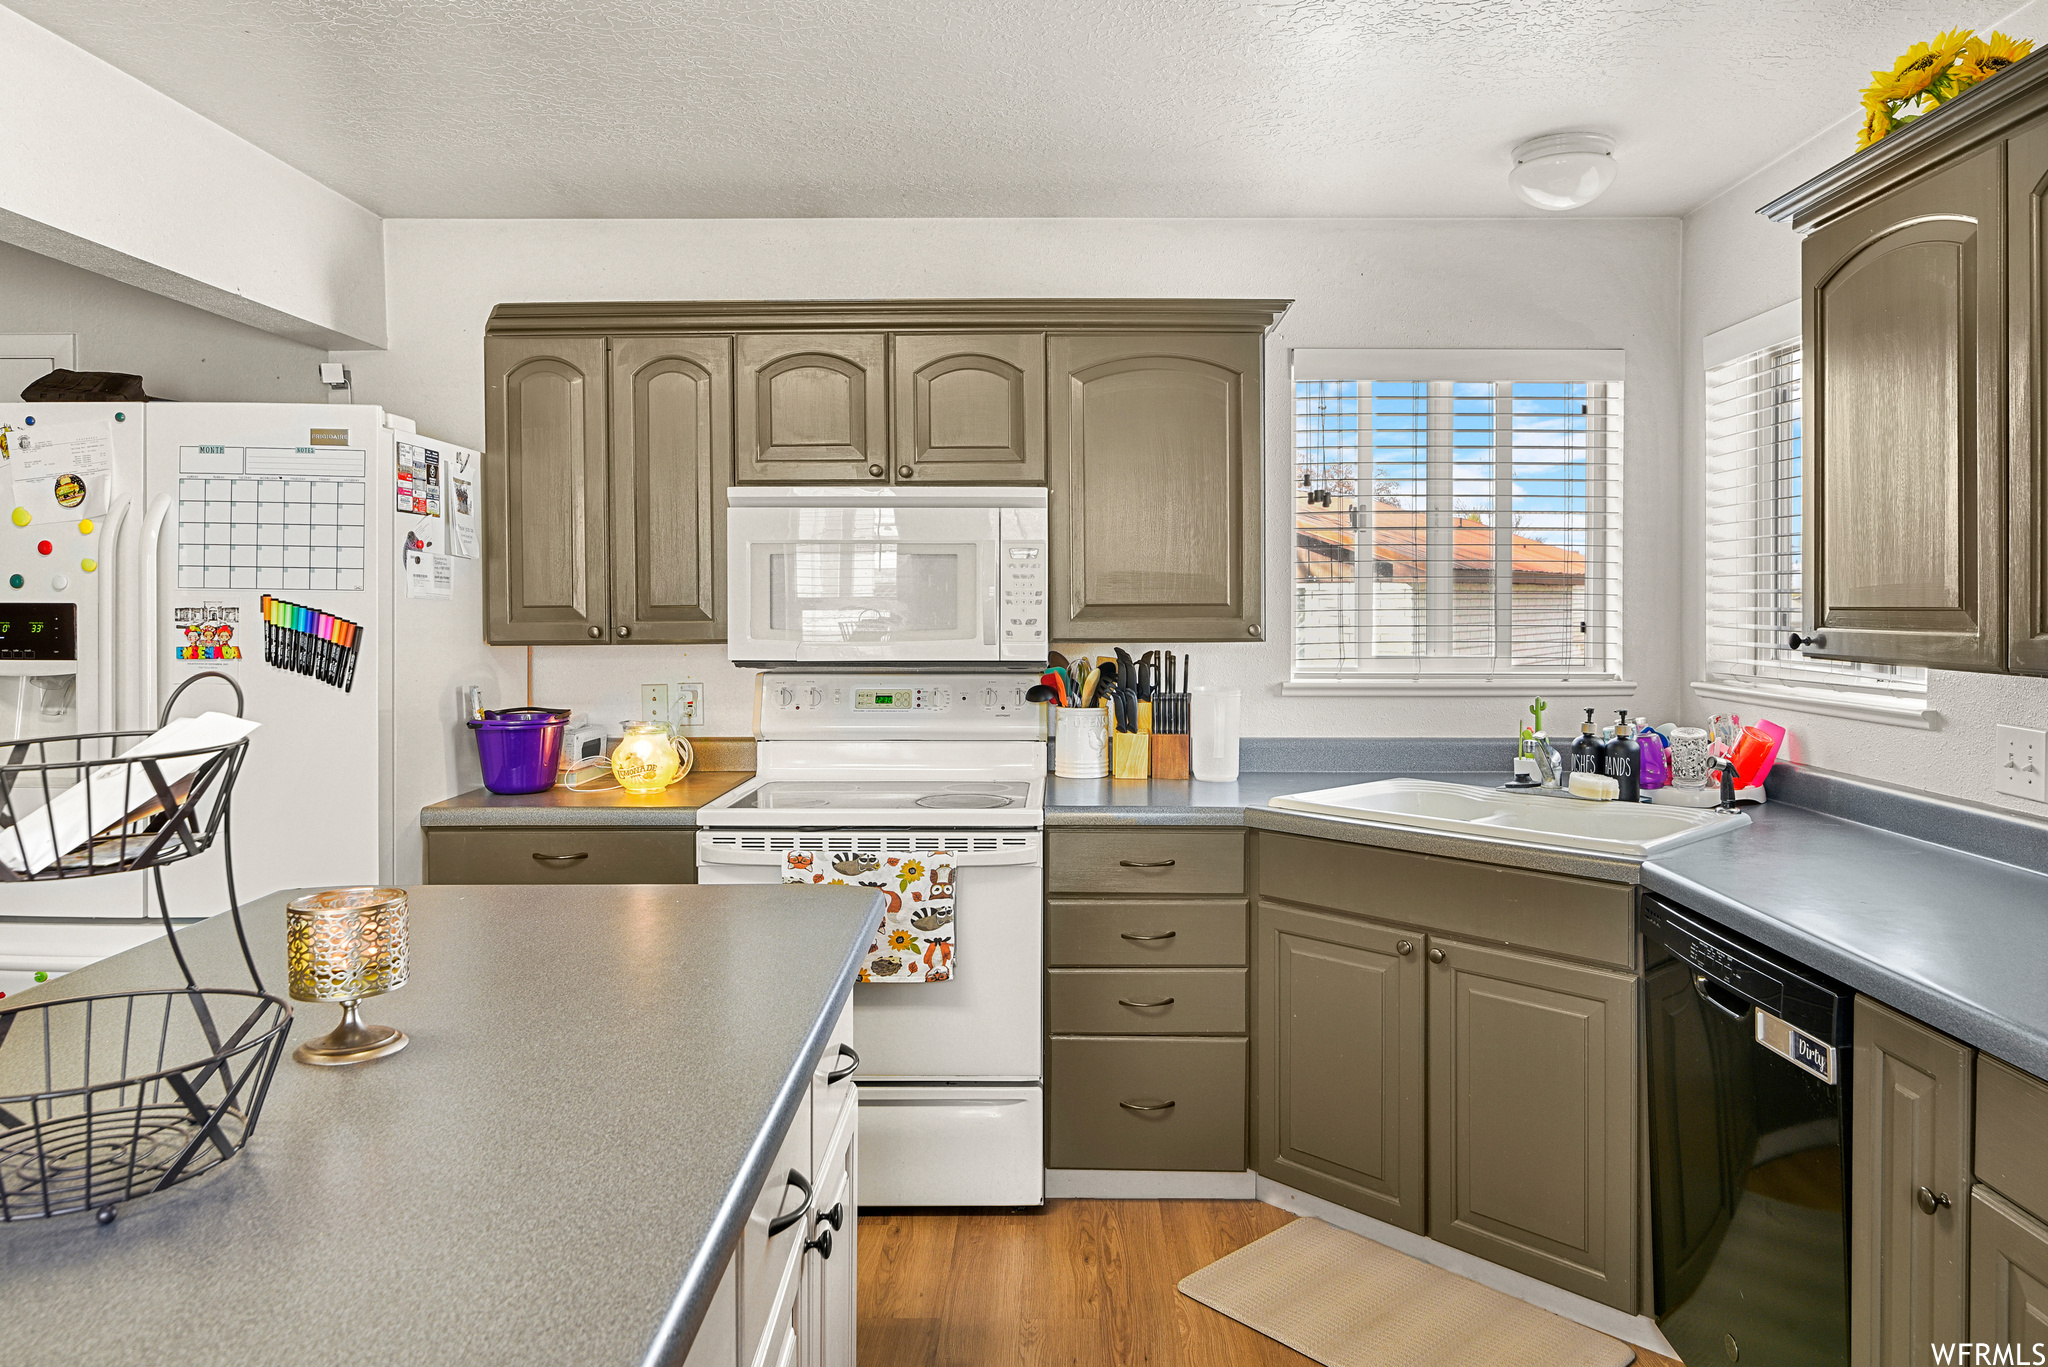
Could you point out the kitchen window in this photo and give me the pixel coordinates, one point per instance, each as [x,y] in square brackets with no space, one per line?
[1755,542]
[1457,520]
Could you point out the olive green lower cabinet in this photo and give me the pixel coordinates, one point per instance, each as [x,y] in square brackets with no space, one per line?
[1145,1001]
[558,854]
[2009,1213]
[1522,1144]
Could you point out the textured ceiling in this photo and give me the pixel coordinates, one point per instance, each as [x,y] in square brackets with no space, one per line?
[982,108]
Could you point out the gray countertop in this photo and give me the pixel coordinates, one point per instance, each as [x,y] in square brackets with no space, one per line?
[1954,939]
[554,1170]
[672,807]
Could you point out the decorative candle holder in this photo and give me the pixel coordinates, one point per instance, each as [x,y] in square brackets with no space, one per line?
[646,760]
[343,945]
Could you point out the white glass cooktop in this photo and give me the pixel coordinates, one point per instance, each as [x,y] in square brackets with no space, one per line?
[787,795]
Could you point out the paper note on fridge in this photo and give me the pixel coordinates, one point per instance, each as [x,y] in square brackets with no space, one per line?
[115,793]
[61,470]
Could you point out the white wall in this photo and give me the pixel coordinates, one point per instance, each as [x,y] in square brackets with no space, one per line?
[1588,283]
[99,170]
[179,351]
[1737,265]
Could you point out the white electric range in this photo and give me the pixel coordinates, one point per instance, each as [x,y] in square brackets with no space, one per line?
[897,763]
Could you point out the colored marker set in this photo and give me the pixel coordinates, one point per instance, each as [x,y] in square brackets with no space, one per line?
[307,641]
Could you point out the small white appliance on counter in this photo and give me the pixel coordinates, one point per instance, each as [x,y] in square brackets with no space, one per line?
[900,763]
[156,567]
[886,575]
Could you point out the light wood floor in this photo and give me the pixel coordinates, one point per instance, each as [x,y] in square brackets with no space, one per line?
[1080,1283]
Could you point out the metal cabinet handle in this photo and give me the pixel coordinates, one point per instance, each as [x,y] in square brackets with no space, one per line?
[1436,956]
[1126,1001]
[782,1222]
[1165,935]
[1142,1106]
[876,471]
[597,633]
[841,1074]
[904,471]
[625,631]
[1797,642]
[823,1243]
[1404,947]
[560,860]
[1146,863]
[1929,1201]
[835,1217]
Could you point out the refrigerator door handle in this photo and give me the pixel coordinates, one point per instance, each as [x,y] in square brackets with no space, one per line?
[109,682]
[145,632]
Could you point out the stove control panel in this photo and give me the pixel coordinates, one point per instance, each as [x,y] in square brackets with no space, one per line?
[908,706]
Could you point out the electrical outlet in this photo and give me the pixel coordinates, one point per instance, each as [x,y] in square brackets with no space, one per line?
[654,703]
[688,701]
[2021,754]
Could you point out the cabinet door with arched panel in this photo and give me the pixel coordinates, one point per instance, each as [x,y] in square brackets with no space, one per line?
[969,409]
[545,548]
[811,408]
[671,465]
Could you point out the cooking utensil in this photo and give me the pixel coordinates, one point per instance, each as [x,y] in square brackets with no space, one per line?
[1091,687]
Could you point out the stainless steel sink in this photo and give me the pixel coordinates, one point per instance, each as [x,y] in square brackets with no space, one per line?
[1556,821]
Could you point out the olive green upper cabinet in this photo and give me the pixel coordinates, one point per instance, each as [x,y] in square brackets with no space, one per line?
[671,445]
[2027,460]
[969,409]
[1155,484]
[1905,420]
[545,490]
[812,408]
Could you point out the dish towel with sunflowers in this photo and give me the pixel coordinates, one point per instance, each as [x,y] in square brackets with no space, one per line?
[916,940]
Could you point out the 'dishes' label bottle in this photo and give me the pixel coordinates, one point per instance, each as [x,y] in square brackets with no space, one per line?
[1586,756]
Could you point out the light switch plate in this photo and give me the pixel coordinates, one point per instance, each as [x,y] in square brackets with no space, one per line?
[2022,752]
[654,703]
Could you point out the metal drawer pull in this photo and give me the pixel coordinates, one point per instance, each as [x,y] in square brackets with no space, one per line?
[1146,1105]
[782,1222]
[1126,1001]
[841,1074]
[1436,956]
[1404,947]
[823,1243]
[1929,1201]
[835,1217]
[1146,863]
[560,860]
[1168,935]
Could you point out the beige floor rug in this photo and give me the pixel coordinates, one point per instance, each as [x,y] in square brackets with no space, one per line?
[1349,1302]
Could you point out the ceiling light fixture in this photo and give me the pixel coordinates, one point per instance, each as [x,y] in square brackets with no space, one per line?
[1563,170]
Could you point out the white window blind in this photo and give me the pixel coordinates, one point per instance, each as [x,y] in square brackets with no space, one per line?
[1755,535]
[1457,526]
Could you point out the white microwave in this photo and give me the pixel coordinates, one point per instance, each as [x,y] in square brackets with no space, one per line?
[858,575]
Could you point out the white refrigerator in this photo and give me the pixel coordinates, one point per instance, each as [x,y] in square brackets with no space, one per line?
[152,562]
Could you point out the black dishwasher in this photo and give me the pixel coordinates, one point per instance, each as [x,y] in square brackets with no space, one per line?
[1748,1071]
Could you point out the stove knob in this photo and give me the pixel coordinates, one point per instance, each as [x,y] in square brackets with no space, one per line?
[784,696]
[817,696]
[988,697]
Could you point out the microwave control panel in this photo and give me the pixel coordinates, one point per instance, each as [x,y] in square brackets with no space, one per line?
[1025,590]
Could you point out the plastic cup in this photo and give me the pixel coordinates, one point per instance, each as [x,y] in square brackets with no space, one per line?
[1213,727]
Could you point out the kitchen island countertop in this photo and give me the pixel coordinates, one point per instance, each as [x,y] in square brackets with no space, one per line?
[555,1169]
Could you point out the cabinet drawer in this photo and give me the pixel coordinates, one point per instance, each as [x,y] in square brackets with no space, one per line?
[1162,1104]
[2012,1134]
[1145,860]
[560,855]
[1146,1001]
[1154,933]
[1580,918]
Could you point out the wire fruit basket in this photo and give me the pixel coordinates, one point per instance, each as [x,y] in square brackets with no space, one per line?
[108,1097]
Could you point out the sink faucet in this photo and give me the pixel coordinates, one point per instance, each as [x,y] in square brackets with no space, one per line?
[1726,771]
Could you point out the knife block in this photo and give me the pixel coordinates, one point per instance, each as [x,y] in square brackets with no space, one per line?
[1130,755]
[1169,756]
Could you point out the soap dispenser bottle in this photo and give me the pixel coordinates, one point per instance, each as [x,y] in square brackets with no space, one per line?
[1586,756]
[1623,761]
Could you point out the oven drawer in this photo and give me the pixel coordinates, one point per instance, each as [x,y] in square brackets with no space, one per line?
[1152,933]
[565,854]
[1161,1104]
[1146,1001]
[951,1146]
[1145,860]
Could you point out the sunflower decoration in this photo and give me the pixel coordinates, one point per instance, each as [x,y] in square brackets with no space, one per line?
[1928,75]
[902,939]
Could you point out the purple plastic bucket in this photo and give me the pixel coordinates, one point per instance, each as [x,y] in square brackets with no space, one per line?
[520,747]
